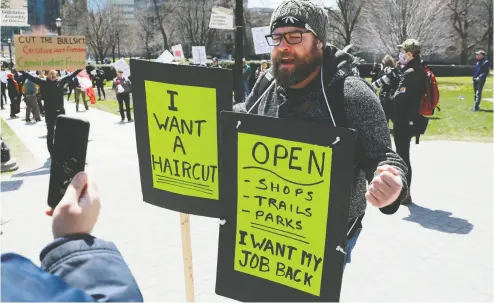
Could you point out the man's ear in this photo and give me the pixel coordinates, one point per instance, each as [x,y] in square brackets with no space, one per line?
[319,44]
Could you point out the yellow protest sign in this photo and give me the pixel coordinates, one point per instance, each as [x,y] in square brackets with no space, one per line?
[183,138]
[48,52]
[283,190]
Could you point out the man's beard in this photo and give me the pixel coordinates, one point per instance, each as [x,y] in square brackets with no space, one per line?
[302,69]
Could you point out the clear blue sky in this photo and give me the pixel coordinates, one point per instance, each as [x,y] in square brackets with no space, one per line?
[274,3]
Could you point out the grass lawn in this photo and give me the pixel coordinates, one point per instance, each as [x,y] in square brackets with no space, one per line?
[455,121]
[110,106]
[17,149]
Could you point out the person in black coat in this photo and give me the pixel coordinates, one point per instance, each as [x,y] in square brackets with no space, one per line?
[14,95]
[75,267]
[99,82]
[52,92]
[4,94]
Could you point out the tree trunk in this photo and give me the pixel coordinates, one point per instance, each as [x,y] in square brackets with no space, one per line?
[113,53]
[464,50]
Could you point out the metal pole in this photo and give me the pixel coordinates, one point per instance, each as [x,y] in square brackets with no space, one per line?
[239,45]
[10,53]
[59,31]
[118,44]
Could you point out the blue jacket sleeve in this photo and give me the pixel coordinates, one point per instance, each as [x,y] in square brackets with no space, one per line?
[484,70]
[22,281]
[93,265]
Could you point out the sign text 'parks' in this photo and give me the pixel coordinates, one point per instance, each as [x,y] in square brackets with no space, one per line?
[182,133]
[49,52]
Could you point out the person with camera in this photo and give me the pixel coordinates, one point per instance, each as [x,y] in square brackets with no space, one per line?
[123,87]
[387,81]
[406,102]
[479,75]
[75,267]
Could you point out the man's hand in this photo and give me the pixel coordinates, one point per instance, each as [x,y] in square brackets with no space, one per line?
[385,187]
[78,211]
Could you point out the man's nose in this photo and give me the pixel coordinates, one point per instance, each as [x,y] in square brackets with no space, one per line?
[284,45]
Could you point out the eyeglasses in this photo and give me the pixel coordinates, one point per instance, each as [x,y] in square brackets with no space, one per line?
[291,38]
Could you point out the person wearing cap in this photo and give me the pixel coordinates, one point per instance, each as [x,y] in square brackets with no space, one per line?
[315,80]
[122,87]
[215,63]
[406,102]
[479,75]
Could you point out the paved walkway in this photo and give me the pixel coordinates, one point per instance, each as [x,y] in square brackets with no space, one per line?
[440,249]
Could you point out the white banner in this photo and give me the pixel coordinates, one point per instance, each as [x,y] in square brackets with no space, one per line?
[123,66]
[199,54]
[221,18]
[165,57]
[261,46]
[13,17]
[178,52]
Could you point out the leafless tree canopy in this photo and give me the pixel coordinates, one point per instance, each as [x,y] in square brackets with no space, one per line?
[193,21]
[344,19]
[390,22]
[102,23]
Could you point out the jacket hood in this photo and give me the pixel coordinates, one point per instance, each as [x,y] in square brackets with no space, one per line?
[337,64]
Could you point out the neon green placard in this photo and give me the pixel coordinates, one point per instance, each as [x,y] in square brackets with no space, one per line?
[282,210]
[183,138]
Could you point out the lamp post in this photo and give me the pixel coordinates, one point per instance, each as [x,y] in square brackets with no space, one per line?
[9,41]
[118,44]
[58,23]
[239,45]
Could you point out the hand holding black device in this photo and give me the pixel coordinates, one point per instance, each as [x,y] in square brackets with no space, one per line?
[69,155]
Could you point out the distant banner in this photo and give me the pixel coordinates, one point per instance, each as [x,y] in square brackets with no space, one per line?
[261,46]
[199,54]
[178,52]
[123,66]
[221,18]
[14,17]
[42,52]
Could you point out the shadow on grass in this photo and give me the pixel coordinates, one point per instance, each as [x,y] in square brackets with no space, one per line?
[438,220]
[486,110]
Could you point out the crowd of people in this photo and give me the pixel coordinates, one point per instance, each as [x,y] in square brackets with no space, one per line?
[43,93]
[308,79]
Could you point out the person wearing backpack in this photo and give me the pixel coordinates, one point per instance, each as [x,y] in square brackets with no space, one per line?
[310,79]
[407,102]
[479,75]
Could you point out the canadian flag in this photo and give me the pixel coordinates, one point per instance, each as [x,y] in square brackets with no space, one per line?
[86,85]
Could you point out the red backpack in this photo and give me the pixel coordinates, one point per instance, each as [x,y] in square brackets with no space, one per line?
[430,99]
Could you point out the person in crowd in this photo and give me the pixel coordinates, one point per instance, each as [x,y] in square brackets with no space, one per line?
[14,95]
[76,266]
[376,69]
[246,74]
[215,63]
[388,82]
[52,92]
[99,82]
[39,97]
[20,82]
[78,92]
[262,69]
[310,82]
[4,92]
[406,102]
[123,87]
[479,75]
[31,101]
[72,87]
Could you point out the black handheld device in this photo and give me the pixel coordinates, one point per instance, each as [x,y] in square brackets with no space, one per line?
[69,155]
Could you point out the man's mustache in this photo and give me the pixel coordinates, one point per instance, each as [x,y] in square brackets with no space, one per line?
[285,56]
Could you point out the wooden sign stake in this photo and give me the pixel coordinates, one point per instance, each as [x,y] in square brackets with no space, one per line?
[187,254]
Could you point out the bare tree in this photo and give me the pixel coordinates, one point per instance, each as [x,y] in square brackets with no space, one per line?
[147,26]
[132,39]
[162,11]
[463,20]
[101,22]
[193,21]
[485,8]
[73,14]
[345,18]
[390,22]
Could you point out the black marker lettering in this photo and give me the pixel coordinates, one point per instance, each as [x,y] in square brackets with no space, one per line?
[277,147]
[178,143]
[263,183]
[172,100]
[266,158]
[198,122]
[293,157]
[313,157]
[242,237]
[155,162]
